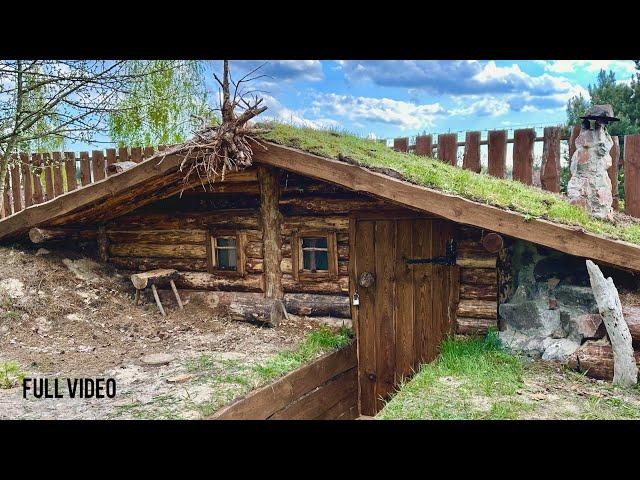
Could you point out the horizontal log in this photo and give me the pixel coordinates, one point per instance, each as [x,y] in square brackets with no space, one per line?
[192,220]
[318,305]
[315,223]
[248,188]
[475,326]
[158,236]
[157,250]
[478,308]
[478,292]
[323,205]
[270,311]
[154,277]
[222,282]
[254,250]
[42,234]
[476,261]
[254,265]
[478,276]
[149,263]
[339,286]
[596,359]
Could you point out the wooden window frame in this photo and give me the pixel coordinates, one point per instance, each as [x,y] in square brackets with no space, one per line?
[241,243]
[299,274]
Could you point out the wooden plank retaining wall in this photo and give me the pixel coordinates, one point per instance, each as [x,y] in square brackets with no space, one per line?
[325,389]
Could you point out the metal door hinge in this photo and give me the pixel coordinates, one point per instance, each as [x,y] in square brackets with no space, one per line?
[449,258]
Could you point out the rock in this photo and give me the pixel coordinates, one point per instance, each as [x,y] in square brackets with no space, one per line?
[589,326]
[180,378]
[576,297]
[42,251]
[558,333]
[533,317]
[12,287]
[74,317]
[558,349]
[155,359]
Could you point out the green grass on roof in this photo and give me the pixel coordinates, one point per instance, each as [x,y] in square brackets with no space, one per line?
[532,202]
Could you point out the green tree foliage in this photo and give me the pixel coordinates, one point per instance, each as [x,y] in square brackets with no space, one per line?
[164,106]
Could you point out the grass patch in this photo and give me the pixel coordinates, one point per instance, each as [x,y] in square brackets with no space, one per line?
[507,194]
[472,378]
[315,343]
[10,374]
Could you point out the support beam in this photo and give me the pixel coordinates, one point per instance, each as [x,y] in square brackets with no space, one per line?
[43,234]
[271,237]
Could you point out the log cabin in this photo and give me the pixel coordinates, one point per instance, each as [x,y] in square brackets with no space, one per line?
[407,263]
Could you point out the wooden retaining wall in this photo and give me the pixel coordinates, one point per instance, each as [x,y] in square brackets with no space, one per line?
[325,389]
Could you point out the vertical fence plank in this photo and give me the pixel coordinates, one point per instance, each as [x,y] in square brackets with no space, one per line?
[136,154]
[471,157]
[85,169]
[550,169]
[16,190]
[523,140]
[70,170]
[401,144]
[36,161]
[123,154]
[613,170]
[6,200]
[497,150]
[111,159]
[632,175]
[98,165]
[424,145]
[58,187]
[48,176]
[26,180]
[149,151]
[448,148]
[575,131]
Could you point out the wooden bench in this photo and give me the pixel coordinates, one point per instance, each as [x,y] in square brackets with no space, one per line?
[156,277]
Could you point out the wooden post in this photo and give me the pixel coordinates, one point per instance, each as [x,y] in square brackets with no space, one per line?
[613,170]
[523,140]
[497,149]
[147,152]
[448,148]
[175,292]
[123,154]
[158,302]
[6,200]
[85,169]
[36,160]
[48,177]
[111,159]
[15,185]
[271,237]
[550,169]
[58,188]
[632,175]
[424,146]
[103,244]
[70,170]
[136,154]
[98,165]
[471,158]
[26,180]
[401,144]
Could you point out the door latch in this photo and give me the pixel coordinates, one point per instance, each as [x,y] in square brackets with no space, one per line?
[356,300]
[449,258]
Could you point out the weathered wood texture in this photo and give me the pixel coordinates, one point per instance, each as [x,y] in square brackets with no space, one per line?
[324,389]
[550,169]
[271,236]
[595,358]
[471,158]
[632,175]
[448,148]
[524,140]
[613,170]
[424,145]
[497,153]
[43,234]
[401,144]
[318,305]
[155,277]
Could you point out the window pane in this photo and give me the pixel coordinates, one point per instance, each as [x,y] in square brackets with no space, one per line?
[314,242]
[315,260]
[226,253]
[225,242]
[322,261]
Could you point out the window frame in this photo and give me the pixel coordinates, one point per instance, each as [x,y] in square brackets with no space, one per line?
[212,235]
[297,257]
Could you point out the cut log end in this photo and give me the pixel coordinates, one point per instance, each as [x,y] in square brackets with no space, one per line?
[153,277]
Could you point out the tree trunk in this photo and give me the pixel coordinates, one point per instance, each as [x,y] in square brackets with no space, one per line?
[272,242]
[318,305]
[43,234]
[625,370]
[596,359]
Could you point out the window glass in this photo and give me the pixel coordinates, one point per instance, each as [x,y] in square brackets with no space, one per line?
[315,255]
[226,253]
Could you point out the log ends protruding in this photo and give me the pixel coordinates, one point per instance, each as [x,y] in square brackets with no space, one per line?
[42,234]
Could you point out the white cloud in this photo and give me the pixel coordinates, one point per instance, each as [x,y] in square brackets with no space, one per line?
[488,106]
[566,66]
[405,115]
[277,111]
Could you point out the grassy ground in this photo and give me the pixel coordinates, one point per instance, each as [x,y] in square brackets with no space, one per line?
[530,201]
[476,379]
[232,378]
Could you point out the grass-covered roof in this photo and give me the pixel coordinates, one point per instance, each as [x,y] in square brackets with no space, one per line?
[532,202]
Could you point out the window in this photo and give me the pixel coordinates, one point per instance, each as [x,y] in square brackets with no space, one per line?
[314,254]
[225,252]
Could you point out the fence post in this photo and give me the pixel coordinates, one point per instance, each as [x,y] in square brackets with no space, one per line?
[613,170]
[6,206]
[70,170]
[26,180]
[401,144]
[15,184]
[523,140]
[424,145]
[58,187]
[98,165]
[85,169]
[48,176]
[471,157]
[448,148]
[123,154]
[632,175]
[149,151]
[497,150]
[36,161]
[136,154]
[111,158]
[550,169]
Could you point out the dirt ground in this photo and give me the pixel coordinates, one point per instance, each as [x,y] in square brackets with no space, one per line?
[64,315]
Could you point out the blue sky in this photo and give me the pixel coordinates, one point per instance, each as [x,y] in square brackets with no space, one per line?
[388,98]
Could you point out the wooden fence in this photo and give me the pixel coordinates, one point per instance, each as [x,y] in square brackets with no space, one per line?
[523,140]
[39,177]
[325,389]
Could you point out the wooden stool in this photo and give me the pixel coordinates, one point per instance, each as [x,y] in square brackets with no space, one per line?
[156,277]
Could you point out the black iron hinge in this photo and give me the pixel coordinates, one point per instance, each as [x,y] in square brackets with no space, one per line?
[449,258]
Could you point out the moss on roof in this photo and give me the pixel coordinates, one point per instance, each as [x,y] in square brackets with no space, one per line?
[532,202]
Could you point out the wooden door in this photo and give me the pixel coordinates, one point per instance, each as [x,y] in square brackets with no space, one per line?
[406,310]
